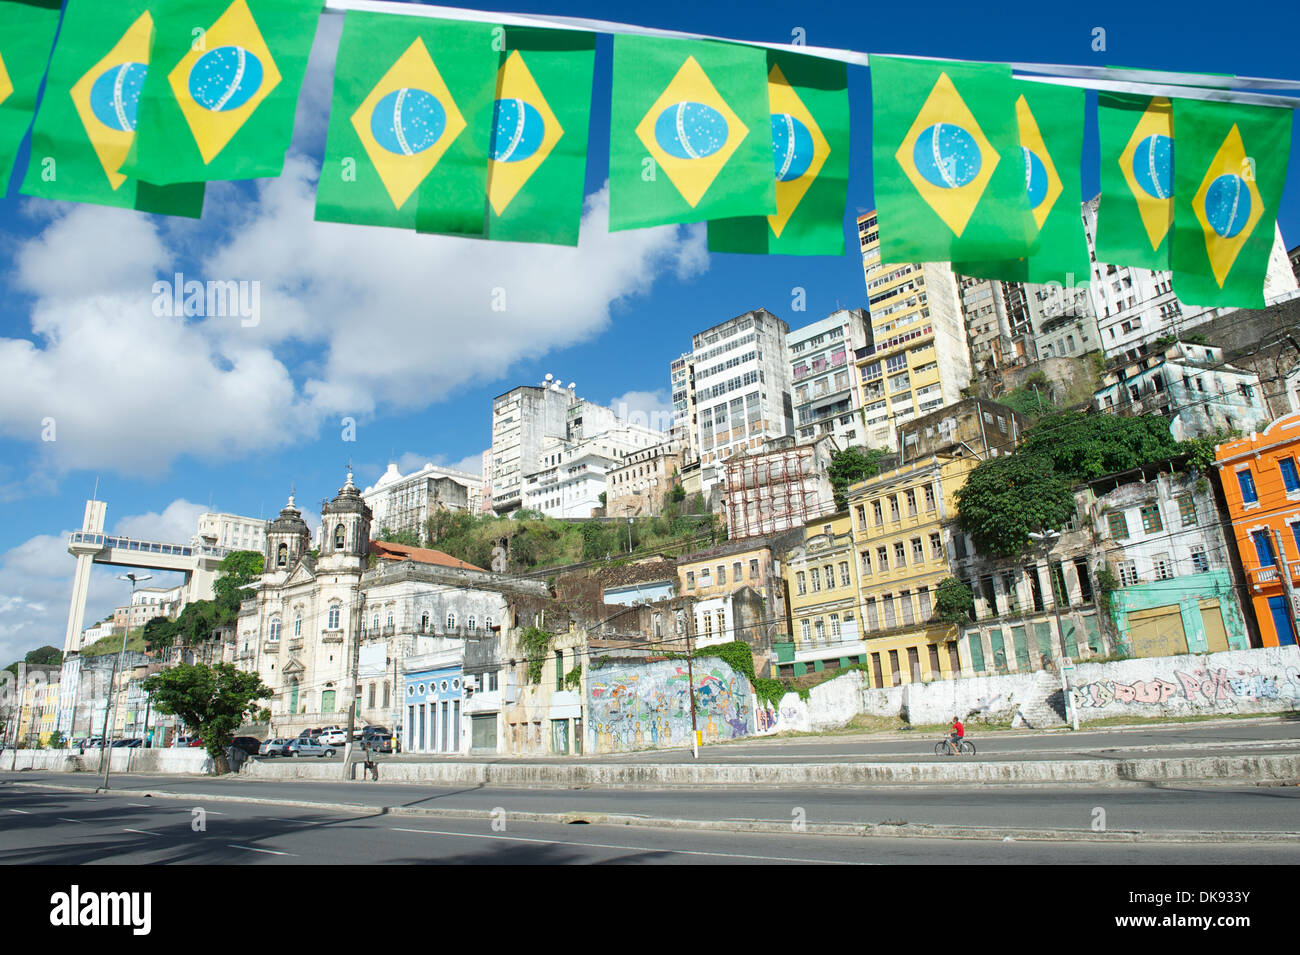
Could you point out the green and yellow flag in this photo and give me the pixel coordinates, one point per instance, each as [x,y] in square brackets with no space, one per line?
[26,34]
[1050,120]
[538,159]
[1136,211]
[809,114]
[220,100]
[412,110]
[1232,163]
[689,133]
[946,162]
[87,118]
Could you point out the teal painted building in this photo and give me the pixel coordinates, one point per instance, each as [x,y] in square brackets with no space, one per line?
[1193,613]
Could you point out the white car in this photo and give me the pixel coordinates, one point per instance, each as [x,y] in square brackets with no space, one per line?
[334,737]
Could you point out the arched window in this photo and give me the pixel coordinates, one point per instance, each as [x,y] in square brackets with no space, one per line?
[374,624]
[275,630]
[487,623]
[470,623]
[424,621]
[338,537]
[451,620]
[389,621]
[282,556]
[334,617]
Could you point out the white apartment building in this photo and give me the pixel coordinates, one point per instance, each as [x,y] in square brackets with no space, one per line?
[522,421]
[826,391]
[682,380]
[231,531]
[1133,306]
[575,473]
[404,502]
[741,388]
[1064,321]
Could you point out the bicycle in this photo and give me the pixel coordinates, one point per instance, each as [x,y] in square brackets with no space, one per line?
[945,748]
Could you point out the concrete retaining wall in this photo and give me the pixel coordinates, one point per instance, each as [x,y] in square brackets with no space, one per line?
[185,761]
[829,705]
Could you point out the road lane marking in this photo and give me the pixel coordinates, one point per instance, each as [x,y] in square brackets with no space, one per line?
[23,811]
[141,805]
[66,819]
[255,849]
[600,845]
[143,832]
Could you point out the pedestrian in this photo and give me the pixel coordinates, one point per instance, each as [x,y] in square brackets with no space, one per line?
[81,747]
[370,768]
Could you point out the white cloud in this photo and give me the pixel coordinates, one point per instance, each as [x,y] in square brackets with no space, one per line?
[413,461]
[651,409]
[386,319]
[175,525]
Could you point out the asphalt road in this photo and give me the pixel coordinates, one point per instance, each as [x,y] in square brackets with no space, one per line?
[48,827]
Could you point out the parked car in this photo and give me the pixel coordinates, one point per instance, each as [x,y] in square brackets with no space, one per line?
[275,747]
[310,734]
[333,737]
[305,746]
[379,742]
[249,744]
[126,743]
[372,730]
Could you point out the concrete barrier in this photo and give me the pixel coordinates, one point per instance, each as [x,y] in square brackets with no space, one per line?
[184,762]
[1240,769]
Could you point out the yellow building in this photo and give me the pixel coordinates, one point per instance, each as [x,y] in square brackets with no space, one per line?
[736,593]
[920,361]
[822,580]
[898,534]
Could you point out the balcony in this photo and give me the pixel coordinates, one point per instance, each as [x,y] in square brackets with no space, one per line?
[1270,578]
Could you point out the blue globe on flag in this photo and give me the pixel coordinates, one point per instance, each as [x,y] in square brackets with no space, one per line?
[690,130]
[947,156]
[1153,166]
[225,78]
[408,121]
[517,131]
[1227,205]
[1035,177]
[115,95]
[792,147]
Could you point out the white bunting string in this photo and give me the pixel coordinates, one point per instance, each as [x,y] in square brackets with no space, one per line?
[1203,86]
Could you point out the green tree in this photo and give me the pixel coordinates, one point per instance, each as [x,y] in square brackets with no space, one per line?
[44,656]
[159,634]
[594,541]
[677,493]
[1082,445]
[213,701]
[849,466]
[407,538]
[953,602]
[238,572]
[1007,497]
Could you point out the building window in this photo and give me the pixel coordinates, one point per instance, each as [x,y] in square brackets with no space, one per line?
[1163,567]
[690,580]
[451,620]
[878,513]
[936,547]
[1186,509]
[929,498]
[275,630]
[820,628]
[1290,476]
[753,569]
[1118,526]
[1127,573]
[866,563]
[1200,563]
[722,574]
[471,625]
[333,619]
[338,538]
[844,573]
[816,579]
[882,559]
[1246,481]
[918,551]
[888,601]
[805,630]
[893,508]
[735,572]
[1263,547]
[1151,519]
[801,582]
[923,601]
[900,554]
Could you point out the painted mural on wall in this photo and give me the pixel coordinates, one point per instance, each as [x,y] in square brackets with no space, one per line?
[647,705]
[1182,684]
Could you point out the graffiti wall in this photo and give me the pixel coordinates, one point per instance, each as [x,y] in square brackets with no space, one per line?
[1244,681]
[647,705]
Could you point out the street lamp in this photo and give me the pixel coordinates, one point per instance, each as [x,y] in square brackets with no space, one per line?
[111,706]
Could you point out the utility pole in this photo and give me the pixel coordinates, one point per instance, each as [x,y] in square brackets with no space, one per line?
[1287,587]
[105,752]
[690,676]
[352,685]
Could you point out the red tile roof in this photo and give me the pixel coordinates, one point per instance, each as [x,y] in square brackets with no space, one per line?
[386,550]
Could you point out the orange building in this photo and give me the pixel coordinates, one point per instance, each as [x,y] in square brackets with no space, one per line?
[1261,480]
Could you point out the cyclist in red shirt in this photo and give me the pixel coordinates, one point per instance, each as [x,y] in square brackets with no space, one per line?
[958,732]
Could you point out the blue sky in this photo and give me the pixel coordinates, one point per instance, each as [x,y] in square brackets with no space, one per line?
[392,329]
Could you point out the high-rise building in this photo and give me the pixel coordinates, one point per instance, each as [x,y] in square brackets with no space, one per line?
[231,531]
[682,378]
[741,388]
[920,360]
[402,503]
[1134,306]
[826,390]
[522,420]
[999,330]
[573,474]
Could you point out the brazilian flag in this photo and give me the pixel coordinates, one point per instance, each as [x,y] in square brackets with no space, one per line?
[27,30]
[87,118]
[219,102]
[538,160]
[689,133]
[1136,211]
[1050,120]
[1232,163]
[412,110]
[809,105]
[946,162]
